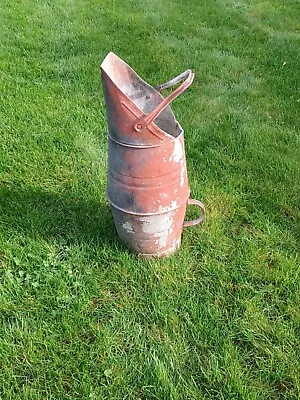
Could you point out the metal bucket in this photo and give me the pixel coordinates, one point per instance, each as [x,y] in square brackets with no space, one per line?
[147,185]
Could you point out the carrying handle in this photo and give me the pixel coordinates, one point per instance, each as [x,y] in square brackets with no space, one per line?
[200,218]
[144,121]
[173,81]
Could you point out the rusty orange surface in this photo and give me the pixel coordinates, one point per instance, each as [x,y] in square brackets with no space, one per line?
[147,185]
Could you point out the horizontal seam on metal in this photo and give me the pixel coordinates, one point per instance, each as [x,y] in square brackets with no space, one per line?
[143,146]
[160,186]
[135,177]
[146,214]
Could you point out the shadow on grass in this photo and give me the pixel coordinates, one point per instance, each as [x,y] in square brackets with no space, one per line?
[37,213]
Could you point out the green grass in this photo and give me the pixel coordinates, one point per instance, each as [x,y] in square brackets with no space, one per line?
[83,318]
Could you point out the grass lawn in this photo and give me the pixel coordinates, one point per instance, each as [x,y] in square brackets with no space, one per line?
[80,316]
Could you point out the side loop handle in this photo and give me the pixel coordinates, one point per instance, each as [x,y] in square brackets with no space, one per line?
[200,218]
[144,121]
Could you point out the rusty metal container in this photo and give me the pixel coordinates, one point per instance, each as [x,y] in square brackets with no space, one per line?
[147,185]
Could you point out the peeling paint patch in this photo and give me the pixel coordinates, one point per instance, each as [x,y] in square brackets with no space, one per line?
[154,224]
[127,226]
[175,245]
[177,154]
[162,242]
[182,174]
[171,207]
